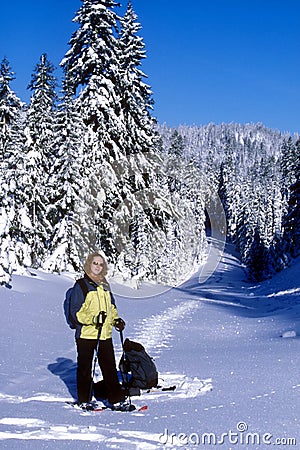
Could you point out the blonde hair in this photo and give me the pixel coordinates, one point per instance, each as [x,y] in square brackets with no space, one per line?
[88,264]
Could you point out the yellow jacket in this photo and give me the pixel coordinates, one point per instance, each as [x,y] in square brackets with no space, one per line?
[86,310]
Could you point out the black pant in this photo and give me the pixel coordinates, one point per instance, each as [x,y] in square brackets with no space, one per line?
[107,363]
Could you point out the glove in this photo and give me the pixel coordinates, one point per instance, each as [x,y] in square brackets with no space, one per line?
[119,324]
[99,320]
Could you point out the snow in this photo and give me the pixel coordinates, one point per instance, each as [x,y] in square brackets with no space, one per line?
[231,348]
[24,219]
[4,222]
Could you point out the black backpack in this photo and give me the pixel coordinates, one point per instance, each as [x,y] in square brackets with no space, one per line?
[67,300]
[136,361]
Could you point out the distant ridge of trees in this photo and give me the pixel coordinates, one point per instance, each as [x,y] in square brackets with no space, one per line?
[256,173]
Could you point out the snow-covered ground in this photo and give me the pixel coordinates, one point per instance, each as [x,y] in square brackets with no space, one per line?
[231,348]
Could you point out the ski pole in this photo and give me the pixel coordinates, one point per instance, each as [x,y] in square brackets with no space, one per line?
[122,338]
[124,374]
[100,321]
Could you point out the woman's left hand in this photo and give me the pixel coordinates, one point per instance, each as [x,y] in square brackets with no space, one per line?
[119,324]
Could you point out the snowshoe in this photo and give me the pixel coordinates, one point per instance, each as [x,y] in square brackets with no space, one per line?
[88,406]
[120,406]
[123,406]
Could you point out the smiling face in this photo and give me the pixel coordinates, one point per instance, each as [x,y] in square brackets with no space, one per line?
[97,266]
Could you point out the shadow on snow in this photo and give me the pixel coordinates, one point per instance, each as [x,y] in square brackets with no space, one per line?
[65,369]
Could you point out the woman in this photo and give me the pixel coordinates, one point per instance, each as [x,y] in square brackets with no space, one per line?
[87,311]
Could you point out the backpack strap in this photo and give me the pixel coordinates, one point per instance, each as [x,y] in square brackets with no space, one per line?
[83,286]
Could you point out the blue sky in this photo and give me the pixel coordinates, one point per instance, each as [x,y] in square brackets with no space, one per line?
[207,61]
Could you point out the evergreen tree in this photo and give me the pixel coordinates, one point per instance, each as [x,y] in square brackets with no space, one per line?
[135,95]
[119,139]
[66,179]
[288,166]
[92,62]
[291,224]
[40,116]
[258,258]
[139,141]
[277,258]
[177,144]
[288,160]
[185,229]
[6,218]
[11,109]
[228,192]
[11,205]
[40,155]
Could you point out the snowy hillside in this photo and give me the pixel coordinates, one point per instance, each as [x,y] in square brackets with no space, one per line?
[231,348]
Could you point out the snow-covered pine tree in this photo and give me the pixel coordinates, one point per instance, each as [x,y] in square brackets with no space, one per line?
[135,95]
[6,218]
[186,231]
[245,225]
[291,223]
[257,259]
[40,155]
[67,182]
[11,112]
[177,144]
[124,208]
[227,190]
[92,65]
[288,165]
[293,219]
[144,201]
[12,246]
[256,217]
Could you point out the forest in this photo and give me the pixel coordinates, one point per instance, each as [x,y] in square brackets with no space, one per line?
[85,167]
